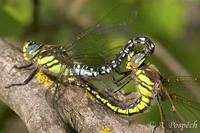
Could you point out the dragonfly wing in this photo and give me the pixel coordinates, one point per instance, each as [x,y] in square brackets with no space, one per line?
[183,92]
[112,31]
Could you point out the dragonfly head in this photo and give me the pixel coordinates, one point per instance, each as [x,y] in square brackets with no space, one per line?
[134,60]
[137,60]
[31,49]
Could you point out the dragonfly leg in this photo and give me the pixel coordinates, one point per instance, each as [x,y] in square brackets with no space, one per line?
[120,72]
[124,75]
[26,81]
[122,85]
[116,81]
[24,66]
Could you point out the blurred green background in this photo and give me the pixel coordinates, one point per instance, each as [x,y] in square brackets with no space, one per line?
[173,24]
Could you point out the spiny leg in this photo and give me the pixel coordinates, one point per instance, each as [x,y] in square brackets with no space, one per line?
[125,74]
[116,81]
[33,73]
[122,85]
[118,70]
[24,66]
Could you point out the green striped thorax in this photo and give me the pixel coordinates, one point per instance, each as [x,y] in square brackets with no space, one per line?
[51,58]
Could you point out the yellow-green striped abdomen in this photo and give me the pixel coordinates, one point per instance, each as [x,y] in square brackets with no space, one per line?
[138,106]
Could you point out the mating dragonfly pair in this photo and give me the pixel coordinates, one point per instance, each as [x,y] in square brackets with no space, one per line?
[177,97]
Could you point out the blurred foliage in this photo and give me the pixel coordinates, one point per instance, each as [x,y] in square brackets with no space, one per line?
[174,24]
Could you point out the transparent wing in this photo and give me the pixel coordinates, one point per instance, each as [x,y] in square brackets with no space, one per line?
[113,30]
[183,92]
[185,86]
[100,58]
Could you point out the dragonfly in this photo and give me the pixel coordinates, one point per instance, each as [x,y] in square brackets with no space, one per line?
[138,105]
[72,61]
[177,96]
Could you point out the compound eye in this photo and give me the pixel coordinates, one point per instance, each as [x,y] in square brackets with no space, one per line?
[138,59]
[30,49]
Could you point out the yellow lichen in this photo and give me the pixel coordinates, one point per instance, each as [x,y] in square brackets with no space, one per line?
[105,130]
[43,79]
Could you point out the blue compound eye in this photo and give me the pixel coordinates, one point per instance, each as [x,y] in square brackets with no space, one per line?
[139,58]
[31,49]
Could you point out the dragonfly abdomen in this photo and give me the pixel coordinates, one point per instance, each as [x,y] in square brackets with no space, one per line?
[88,71]
[138,106]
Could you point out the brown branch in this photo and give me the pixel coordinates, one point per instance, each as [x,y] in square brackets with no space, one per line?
[78,112]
